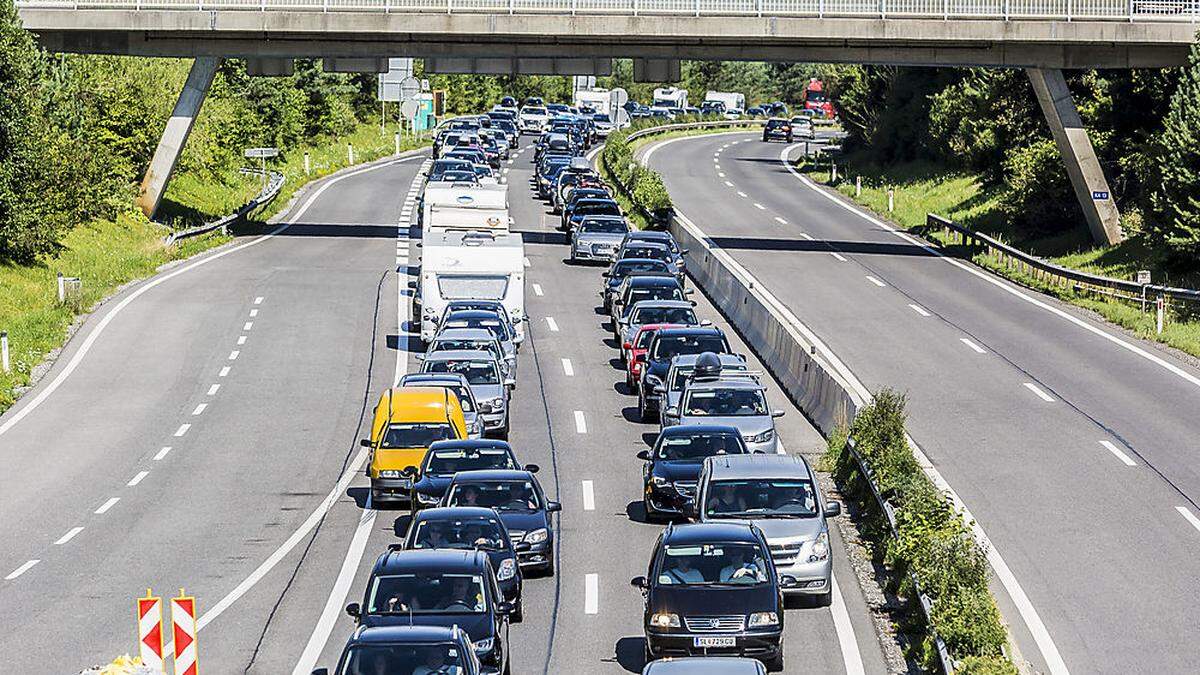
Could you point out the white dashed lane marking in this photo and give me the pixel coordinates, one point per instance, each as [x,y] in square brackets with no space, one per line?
[21,570]
[1041,394]
[974,347]
[68,536]
[137,479]
[224,372]
[1111,447]
[162,453]
[920,310]
[183,429]
[212,391]
[537,290]
[112,501]
[589,496]
[552,323]
[875,281]
[568,368]
[580,422]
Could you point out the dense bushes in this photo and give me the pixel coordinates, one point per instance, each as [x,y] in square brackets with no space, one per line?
[935,546]
[1176,222]
[645,185]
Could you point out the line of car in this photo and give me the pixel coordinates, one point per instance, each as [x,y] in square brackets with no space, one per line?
[746,525]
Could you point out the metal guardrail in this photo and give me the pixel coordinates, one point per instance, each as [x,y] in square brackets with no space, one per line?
[1056,275]
[268,193]
[889,513]
[1067,10]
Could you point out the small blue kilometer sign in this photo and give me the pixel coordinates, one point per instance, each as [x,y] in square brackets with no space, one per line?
[1097,194]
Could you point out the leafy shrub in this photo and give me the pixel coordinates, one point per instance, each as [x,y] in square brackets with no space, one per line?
[985,665]
[1039,192]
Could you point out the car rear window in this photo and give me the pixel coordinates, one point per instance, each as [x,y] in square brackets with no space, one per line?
[675,345]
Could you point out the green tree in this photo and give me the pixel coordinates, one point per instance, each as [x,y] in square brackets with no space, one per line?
[1176,222]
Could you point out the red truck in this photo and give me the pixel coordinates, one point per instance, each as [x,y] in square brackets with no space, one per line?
[815,99]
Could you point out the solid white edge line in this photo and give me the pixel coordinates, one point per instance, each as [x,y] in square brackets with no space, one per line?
[1033,621]
[19,414]
[568,369]
[589,496]
[591,594]
[580,422]
[112,501]
[1111,447]
[137,479]
[21,570]
[974,347]
[337,594]
[1038,390]
[68,536]
[1191,517]
[847,640]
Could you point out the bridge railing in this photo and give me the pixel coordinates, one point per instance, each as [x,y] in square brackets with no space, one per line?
[1068,10]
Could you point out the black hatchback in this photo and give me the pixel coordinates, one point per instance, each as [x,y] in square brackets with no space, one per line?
[518,498]
[777,130]
[446,458]
[439,588]
[712,590]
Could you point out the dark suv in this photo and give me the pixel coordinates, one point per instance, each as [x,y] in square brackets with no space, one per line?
[777,130]
[518,498]
[439,588]
[712,590]
[446,458]
[667,344]
[672,466]
[405,649]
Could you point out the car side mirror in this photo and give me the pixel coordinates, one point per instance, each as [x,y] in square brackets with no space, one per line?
[833,509]
[683,252]
[704,322]
[521,547]
[532,468]
[320,671]
[776,413]
[504,607]
[518,339]
[354,610]
[553,507]
[626,346]
[690,511]
[689,291]
[408,471]
[694,303]
[510,383]
[606,275]
[640,358]
[420,357]
[366,443]
[671,411]
[644,455]
[639,582]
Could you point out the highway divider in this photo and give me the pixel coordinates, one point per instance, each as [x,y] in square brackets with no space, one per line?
[929,545]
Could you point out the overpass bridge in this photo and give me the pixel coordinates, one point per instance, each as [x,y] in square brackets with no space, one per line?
[581,37]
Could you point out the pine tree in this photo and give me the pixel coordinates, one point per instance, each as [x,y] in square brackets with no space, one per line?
[1176,202]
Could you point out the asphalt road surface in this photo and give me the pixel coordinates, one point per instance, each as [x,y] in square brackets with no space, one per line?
[201,432]
[1073,444]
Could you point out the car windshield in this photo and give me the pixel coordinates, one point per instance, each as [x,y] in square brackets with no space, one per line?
[650,252]
[643,338]
[515,495]
[449,461]
[624,269]
[427,593]
[726,403]
[761,498]
[697,446]
[441,166]
[655,293]
[669,242]
[380,659]
[457,176]
[598,209]
[484,534]
[476,372]
[413,435]
[676,345]
[680,315]
[534,111]
[450,345]
[732,564]
[604,227]
[601,117]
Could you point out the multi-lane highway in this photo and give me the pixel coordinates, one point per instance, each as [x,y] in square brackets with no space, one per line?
[1072,443]
[201,431]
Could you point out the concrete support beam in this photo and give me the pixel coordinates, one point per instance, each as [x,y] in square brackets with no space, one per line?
[351,65]
[270,67]
[655,70]
[519,66]
[175,135]
[1091,186]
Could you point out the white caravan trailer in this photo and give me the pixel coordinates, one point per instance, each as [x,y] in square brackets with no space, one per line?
[471,266]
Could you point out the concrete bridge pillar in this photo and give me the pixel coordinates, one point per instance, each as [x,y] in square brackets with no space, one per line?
[175,135]
[1091,186]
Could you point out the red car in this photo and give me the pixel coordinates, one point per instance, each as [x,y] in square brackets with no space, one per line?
[635,352]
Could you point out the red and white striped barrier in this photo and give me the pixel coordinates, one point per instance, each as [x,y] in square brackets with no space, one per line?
[183,625]
[150,630]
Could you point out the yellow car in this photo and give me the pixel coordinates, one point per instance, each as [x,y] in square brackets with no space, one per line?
[407,421]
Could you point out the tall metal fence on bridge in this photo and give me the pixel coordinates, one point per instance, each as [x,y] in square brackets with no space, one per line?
[1008,10]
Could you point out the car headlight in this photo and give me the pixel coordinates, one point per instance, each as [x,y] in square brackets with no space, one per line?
[508,569]
[820,548]
[761,438]
[664,620]
[659,481]
[427,500]
[760,619]
[492,404]
[484,646]
[654,380]
[537,536]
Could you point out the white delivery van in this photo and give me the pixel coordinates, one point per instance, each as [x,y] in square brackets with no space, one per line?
[464,207]
[471,266]
[731,100]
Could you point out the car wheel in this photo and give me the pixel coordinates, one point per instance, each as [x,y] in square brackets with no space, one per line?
[548,570]
[518,614]
[643,411]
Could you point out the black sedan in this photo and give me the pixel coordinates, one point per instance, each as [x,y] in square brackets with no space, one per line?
[518,498]
[713,591]
[446,458]
[575,212]
[672,466]
[667,344]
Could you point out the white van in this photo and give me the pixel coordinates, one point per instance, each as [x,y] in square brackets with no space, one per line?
[460,207]
[471,266]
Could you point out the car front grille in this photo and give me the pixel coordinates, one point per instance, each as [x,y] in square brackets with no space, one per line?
[730,623]
[785,554]
[515,536]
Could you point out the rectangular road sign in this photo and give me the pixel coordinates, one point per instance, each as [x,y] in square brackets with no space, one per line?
[261,153]
[1099,195]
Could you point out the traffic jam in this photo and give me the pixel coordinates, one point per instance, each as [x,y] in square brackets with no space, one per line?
[744,525]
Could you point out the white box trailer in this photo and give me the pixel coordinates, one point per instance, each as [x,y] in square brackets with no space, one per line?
[670,97]
[471,266]
[465,207]
[731,100]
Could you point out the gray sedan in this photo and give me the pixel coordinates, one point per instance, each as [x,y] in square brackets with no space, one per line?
[597,238]
[484,375]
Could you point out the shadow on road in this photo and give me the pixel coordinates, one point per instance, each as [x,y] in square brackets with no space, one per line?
[819,246]
[359,230]
[631,653]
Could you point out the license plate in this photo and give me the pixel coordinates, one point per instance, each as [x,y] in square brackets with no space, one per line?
[711,642]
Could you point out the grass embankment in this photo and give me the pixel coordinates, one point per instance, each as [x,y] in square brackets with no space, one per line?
[107,254]
[922,188]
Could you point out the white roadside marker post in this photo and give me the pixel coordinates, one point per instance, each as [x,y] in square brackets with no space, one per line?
[4,351]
